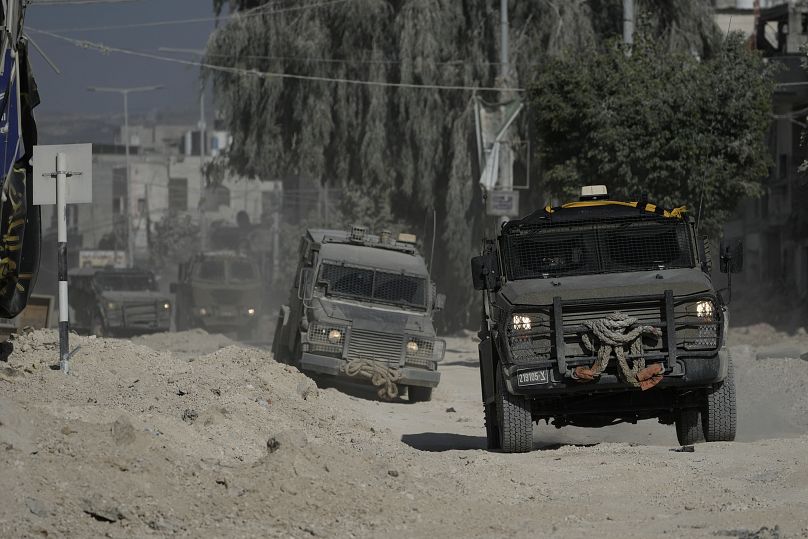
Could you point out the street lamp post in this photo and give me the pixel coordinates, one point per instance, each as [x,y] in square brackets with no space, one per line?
[130,240]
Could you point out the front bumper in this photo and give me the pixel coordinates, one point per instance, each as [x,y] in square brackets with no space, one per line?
[410,376]
[687,373]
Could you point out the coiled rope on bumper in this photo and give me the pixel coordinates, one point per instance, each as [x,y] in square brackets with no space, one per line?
[615,333]
[381,376]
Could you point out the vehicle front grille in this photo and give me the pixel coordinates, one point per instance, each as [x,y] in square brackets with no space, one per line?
[225,296]
[376,346]
[531,335]
[145,314]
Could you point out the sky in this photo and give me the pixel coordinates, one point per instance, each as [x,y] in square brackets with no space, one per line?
[67,93]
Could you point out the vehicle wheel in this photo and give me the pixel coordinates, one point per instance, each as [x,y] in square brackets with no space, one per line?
[279,351]
[719,417]
[491,429]
[97,326]
[688,426]
[419,394]
[514,419]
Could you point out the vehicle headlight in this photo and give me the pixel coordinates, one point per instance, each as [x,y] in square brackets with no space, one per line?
[251,311]
[521,323]
[111,305]
[705,309]
[334,336]
[203,311]
[412,347]
[166,306]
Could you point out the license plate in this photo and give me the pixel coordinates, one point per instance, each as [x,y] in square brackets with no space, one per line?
[532,378]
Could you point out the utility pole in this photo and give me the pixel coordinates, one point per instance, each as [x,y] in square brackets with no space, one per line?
[506,153]
[130,239]
[628,24]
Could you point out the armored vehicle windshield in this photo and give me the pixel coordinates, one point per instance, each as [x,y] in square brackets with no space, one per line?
[373,274]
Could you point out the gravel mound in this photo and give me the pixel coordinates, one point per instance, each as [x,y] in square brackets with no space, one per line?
[192,342]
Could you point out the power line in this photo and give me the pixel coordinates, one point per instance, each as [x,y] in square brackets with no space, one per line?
[257,12]
[77,2]
[100,47]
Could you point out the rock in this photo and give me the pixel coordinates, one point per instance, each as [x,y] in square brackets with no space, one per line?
[392,473]
[451,410]
[37,507]
[102,509]
[189,416]
[123,433]
[307,389]
[288,439]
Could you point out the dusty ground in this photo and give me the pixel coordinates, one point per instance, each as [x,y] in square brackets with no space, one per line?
[193,436]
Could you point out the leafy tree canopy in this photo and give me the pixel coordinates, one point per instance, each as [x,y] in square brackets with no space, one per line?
[398,154]
[684,130]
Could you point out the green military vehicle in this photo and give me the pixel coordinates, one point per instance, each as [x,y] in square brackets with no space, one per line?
[361,307]
[600,312]
[220,292]
[117,302]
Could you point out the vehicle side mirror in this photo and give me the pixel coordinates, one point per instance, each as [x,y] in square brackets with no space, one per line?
[440,302]
[731,256]
[484,272]
[172,288]
[304,287]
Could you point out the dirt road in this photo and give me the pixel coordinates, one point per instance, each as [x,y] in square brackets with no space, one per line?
[212,441]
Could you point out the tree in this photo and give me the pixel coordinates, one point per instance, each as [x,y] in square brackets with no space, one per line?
[398,154]
[684,130]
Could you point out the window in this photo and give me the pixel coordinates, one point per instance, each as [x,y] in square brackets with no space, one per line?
[178,194]
[210,270]
[241,270]
[117,205]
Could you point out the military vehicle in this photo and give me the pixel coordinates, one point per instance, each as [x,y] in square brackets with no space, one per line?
[117,302]
[600,312]
[361,306]
[220,292]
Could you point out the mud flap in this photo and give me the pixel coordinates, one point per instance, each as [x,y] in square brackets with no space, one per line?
[486,350]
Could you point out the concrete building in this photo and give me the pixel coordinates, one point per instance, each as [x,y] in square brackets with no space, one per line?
[775,227]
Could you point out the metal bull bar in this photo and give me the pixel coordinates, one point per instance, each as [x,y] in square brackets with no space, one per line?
[670,325]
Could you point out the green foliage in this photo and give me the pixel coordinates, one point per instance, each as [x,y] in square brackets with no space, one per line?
[398,154]
[684,130]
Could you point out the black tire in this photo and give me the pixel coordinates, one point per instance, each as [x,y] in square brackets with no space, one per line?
[514,420]
[419,394]
[719,417]
[279,350]
[688,426]
[491,428]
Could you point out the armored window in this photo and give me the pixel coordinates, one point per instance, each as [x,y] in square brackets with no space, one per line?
[241,270]
[380,286]
[590,247]
[210,270]
[178,194]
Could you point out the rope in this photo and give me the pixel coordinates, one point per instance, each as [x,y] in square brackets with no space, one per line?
[384,378]
[616,332]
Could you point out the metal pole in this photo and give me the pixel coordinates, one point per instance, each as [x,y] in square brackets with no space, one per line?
[276,229]
[61,225]
[628,22]
[128,213]
[504,41]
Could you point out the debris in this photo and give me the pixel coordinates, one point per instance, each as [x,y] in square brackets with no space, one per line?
[37,507]
[189,416]
[451,410]
[392,473]
[684,449]
[181,392]
[306,388]
[101,509]
[123,433]
[762,533]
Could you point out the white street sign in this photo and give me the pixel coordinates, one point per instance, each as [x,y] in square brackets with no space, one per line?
[79,171]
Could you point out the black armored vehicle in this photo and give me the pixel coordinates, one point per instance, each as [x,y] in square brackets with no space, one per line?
[599,312]
[361,306]
[117,302]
